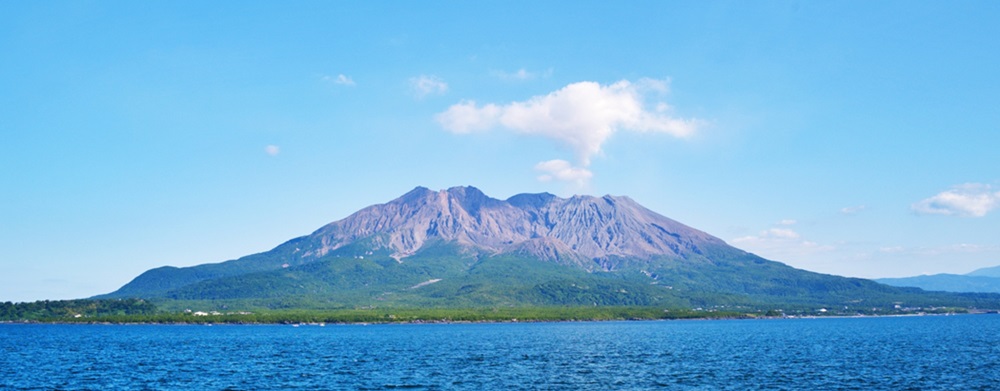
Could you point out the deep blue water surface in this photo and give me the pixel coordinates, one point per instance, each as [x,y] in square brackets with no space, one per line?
[915,353]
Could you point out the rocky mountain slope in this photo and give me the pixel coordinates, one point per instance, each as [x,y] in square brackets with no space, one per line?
[587,231]
[459,247]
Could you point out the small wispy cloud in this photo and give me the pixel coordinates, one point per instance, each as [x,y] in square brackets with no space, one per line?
[425,85]
[272,150]
[892,249]
[944,250]
[781,244]
[520,74]
[340,79]
[852,210]
[779,233]
[561,170]
[787,222]
[966,200]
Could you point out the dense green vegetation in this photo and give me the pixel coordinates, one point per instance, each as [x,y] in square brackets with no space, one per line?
[158,281]
[445,276]
[75,309]
[139,311]
[413,315]
[454,272]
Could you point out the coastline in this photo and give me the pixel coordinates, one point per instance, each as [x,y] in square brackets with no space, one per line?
[322,318]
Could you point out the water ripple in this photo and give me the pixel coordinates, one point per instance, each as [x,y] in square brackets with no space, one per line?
[925,353]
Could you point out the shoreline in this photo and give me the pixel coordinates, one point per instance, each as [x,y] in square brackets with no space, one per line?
[236,322]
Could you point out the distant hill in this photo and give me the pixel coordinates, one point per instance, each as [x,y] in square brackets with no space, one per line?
[986,272]
[461,248]
[980,280]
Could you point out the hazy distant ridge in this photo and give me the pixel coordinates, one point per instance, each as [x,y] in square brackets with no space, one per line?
[986,280]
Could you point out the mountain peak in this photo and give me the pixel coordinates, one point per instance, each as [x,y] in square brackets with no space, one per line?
[581,227]
[471,199]
[465,190]
[526,200]
[417,193]
[550,249]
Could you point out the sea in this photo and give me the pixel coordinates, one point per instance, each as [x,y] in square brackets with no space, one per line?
[959,352]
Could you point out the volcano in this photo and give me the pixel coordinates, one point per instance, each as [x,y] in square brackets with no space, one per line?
[460,247]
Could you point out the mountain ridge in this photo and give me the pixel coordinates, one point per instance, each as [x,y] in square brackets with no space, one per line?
[611,226]
[983,280]
[530,249]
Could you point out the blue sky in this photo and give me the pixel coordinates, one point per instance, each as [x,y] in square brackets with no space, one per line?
[852,138]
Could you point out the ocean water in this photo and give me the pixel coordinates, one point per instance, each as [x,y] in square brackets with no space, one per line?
[891,353]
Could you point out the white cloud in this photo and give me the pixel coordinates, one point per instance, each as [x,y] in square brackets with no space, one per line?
[467,117]
[787,222]
[340,79]
[944,250]
[562,170]
[967,200]
[962,248]
[779,233]
[656,85]
[781,244]
[852,210]
[272,150]
[581,115]
[424,85]
[892,249]
[521,74]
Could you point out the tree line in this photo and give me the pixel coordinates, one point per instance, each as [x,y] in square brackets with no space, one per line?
[74,309]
